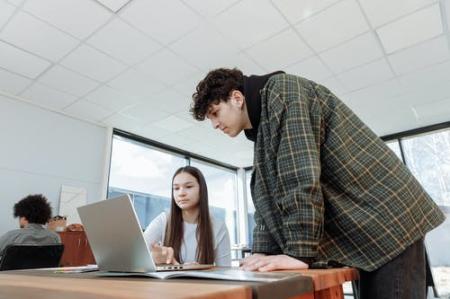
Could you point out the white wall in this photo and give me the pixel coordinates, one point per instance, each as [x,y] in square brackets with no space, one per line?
[40,150]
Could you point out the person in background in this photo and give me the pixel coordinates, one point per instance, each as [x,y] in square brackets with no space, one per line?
[33,212]
[324,186]
[188,234]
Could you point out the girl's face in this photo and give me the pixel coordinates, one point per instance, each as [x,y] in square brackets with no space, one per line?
[186,191]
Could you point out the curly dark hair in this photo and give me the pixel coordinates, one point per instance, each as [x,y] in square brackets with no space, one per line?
[35,208]
[215,87]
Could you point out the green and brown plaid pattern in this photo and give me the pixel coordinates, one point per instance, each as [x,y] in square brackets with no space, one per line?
[325,186]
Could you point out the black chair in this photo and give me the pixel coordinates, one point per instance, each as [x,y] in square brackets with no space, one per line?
[17,257]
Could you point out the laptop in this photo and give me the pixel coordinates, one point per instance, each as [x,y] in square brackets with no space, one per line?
[117,241]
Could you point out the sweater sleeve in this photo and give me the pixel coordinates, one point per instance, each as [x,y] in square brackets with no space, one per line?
[155,230]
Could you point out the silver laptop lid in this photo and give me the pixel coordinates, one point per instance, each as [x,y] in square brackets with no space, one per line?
[115,236]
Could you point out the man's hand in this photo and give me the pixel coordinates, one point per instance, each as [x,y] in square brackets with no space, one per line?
[163,255]
[262,263]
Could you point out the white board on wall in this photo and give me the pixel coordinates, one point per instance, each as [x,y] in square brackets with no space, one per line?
[70,199]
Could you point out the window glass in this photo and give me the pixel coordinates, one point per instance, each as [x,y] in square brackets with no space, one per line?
[428,158]
[222,194]
[145,173]
[250,207]
[395,147]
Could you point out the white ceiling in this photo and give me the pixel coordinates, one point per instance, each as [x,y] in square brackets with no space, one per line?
[134,64]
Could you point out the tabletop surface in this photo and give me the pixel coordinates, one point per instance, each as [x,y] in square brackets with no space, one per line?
[48,284]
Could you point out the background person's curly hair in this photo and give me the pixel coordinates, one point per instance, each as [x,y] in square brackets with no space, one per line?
[35,208]
[215,87]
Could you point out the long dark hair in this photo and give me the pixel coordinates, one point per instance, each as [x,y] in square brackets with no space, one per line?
[174,228]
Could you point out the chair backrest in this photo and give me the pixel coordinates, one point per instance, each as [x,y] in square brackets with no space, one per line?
[31,256]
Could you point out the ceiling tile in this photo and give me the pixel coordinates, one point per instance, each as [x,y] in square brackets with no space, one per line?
[257,25]
[21,62]
[382,11]
[357,51]
[28,32]
[12,83]
[412,29]
[209,8]
[123,42]
[137,83]
[77,17]
[87,110]
[145,112]
[152,132]
[123,122]
[365,75]
[333,85]
[447,8]
[198,133]
[394,120]
[67,81]
[299,10]
[209,53]
[434,110]
[241,61]
[6,11]
[374,93]
[47,97]
[187,86]
[423,96]
[114,5]
[167,67]
[312,69]
[92,63]
[170,101]
[173,124]
[111,99]
[419,56]
[15,2]
[429,76]
[263,51]
[337,24]
[165,21]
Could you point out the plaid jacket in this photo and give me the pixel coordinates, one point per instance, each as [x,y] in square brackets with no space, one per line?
[325,186]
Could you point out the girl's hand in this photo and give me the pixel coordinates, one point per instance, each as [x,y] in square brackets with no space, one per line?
[163,255]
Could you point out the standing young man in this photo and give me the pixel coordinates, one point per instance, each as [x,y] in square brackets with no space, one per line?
[324,186]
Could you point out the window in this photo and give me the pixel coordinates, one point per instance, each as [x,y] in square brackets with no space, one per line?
[222,195]
[428,158]
[395,147]
[145,173]
[250,208]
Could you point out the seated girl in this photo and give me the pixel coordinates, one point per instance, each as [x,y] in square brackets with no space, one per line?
[189,234]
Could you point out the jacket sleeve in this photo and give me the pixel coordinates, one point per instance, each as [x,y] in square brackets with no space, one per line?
[262,240]
[295,123]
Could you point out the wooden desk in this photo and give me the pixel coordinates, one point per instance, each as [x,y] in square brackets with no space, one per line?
[328,282]
[39,284]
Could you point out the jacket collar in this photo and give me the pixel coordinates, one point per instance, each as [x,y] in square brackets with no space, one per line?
[252,87]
